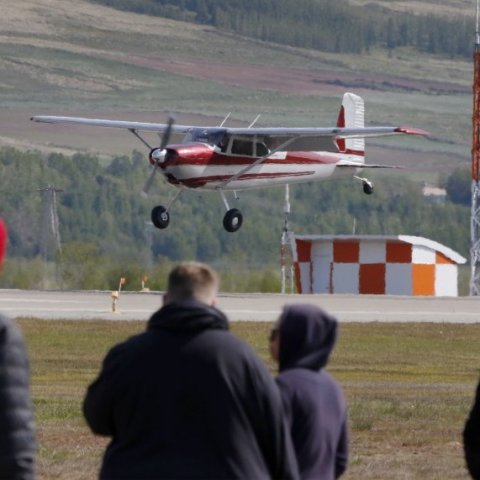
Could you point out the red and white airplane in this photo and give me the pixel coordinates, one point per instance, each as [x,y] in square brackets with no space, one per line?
[221,158]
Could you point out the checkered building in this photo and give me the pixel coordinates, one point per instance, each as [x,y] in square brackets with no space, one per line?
[391,265]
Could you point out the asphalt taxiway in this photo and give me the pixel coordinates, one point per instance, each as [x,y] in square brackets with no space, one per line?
[89,305]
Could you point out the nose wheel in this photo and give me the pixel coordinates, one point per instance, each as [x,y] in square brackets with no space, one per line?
[160,217]
[232,220]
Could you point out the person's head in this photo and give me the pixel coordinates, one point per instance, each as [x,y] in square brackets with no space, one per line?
[3,241]
[303,337]
[192,281]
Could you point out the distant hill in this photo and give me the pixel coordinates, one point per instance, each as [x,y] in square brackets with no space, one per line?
[328,25]
[88,59]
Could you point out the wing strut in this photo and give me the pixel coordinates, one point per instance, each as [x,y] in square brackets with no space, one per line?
[140,138]
[258,161]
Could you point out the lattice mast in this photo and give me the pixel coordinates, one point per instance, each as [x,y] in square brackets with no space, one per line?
[50,231]
[475,213]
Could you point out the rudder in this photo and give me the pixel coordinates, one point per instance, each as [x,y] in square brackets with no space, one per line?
[351,115]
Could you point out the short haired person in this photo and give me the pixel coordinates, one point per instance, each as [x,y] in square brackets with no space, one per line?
[471,438]
[17,430]
[301,343]
[187,399]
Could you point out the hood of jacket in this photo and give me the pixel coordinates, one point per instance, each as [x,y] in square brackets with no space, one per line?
[189,316]
[307,337]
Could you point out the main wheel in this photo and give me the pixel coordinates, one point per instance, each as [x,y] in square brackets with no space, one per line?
[368,188]
[232,220]
[160,217]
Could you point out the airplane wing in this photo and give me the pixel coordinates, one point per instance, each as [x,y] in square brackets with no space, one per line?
[98,122]
[298,139]
[255,131]
[318,139]
[326,132]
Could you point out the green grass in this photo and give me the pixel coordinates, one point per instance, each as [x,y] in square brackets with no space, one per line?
[409,388]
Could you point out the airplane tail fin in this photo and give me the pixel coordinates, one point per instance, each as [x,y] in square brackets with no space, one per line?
[351,115]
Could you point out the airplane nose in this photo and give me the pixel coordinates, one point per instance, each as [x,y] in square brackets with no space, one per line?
[157,156]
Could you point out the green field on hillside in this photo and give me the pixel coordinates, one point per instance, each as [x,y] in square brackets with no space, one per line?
[89,59]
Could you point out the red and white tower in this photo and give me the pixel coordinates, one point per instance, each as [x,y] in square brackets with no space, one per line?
[475,213]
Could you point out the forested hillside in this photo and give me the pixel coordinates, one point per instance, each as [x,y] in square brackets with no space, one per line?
[327,25]
[105,231]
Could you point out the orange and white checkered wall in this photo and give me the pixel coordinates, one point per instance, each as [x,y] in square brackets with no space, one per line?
[391,267]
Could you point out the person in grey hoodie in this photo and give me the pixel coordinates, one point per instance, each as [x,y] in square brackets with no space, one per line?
[301,342]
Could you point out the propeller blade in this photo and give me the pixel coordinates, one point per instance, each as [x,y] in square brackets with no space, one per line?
[163,143]
[167,133]
[149,182]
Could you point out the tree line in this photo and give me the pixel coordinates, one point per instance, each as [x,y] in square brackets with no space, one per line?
[105,229]
[327,25]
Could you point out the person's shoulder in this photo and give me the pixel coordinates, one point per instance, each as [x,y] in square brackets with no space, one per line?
[298,377]
[6,322]
[229,346]
[226,340]
[128,346]
[9,331]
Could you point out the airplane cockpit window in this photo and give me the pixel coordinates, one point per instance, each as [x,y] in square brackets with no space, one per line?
[242,147]
[262,149]
[206,135]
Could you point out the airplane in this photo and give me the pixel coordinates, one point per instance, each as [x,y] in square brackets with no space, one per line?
[230,159]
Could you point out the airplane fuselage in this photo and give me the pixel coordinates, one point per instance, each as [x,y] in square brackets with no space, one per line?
[199,165]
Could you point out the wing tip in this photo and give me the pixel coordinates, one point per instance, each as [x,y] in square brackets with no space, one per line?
[412,131]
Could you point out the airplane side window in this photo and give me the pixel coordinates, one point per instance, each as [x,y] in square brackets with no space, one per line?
[242,147]
[223,144]
[262,150]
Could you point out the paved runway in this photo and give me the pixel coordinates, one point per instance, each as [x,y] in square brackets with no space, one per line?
[250,307]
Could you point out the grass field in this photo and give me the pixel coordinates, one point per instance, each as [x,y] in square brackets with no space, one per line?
[409,388]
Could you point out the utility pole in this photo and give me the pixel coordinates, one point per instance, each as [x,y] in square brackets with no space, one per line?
[148,230]
[286,261]
[50,223]
[475,212]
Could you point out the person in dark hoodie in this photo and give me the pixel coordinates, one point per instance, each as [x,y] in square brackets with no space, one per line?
[301,343]
[17,429]
[188,400]
[471,438]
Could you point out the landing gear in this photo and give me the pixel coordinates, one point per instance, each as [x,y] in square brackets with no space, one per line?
[367,185]
[232,220]
[160,217]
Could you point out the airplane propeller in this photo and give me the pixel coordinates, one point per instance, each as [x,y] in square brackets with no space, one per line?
[157,156]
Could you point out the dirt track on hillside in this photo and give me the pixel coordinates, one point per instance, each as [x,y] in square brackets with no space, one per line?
[292,80]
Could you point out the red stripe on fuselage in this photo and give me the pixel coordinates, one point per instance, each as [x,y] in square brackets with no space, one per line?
[202,181]
[211,158]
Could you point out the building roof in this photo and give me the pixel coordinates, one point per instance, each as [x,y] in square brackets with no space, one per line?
[413,240]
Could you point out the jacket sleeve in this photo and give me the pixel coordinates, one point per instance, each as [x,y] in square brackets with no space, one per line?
[273,431]
[17,432]
[341,458]
[98,405]
[471,438]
